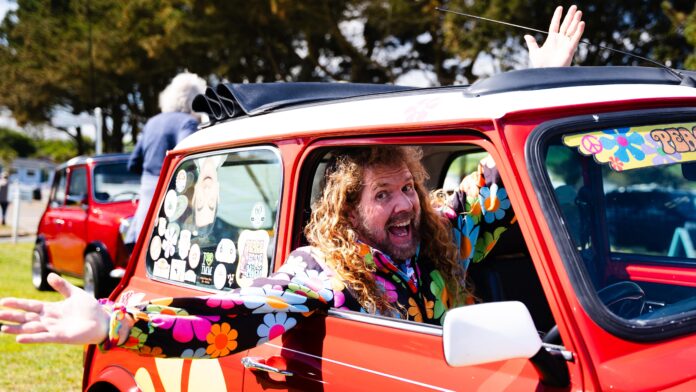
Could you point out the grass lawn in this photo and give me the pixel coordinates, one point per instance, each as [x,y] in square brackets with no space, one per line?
[47,367]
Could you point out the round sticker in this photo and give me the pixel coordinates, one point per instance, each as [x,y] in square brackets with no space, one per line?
[258,215]
[162,226]
[183,180]
[184,243]
[190,276]
[220,276]
[155,247]
[170,202]
[194,256]
[226,252]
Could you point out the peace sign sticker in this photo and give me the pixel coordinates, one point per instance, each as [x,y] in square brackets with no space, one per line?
[591,144]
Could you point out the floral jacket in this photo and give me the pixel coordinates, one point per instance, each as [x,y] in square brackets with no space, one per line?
[222,324]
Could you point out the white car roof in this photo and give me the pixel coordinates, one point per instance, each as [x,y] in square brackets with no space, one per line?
[481,101]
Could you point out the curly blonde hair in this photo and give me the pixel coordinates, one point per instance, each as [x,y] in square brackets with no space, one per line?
[330,229]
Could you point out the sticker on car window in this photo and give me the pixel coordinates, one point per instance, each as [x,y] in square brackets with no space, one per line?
[194,256]
[178,268]
[258,215]
[184,243]
[161,269]
[226,252]
[183,181]
[253,256]
[161,226]
[155,247]
[635,147]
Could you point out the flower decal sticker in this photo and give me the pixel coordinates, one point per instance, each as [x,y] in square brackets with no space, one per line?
[222,340]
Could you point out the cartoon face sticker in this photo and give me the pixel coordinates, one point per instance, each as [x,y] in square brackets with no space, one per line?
[161,269]
[206,191]
[258,215]
[220,276]
[155,247]
[226,252]
[194,256]
[184,243]
[183,180]
[170,201]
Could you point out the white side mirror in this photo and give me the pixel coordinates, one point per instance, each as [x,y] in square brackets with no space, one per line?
[490,332]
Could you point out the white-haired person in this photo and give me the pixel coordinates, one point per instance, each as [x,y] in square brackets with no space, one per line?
[160,134]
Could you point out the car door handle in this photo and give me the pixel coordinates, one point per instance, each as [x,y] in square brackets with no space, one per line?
[59,221]
[254,363]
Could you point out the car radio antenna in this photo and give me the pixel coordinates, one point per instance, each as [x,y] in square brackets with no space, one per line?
[685,79]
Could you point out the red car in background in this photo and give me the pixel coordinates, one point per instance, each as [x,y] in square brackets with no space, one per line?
[79,234]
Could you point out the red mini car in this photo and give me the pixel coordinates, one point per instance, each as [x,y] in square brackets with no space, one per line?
[79,234]
[594,288]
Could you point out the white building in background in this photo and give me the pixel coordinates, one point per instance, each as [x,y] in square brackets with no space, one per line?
[34,177]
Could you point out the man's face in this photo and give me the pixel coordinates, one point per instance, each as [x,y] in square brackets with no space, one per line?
[388,213]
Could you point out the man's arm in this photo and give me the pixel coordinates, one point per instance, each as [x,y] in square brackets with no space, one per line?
[208,326]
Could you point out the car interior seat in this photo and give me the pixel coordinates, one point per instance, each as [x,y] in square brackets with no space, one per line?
[508,274]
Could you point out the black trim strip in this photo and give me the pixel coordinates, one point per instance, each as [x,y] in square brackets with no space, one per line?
[535,152]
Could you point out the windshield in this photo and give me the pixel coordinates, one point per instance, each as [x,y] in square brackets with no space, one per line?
[113,182]
[628,201]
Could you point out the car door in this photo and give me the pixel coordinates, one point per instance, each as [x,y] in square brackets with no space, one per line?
[70,240]
[356,351]
[53,221]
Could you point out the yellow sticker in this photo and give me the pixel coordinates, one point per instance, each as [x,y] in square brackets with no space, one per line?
[635,147]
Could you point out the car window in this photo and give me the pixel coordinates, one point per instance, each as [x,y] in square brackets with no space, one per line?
[627,196]
[216,226]
[113,182]
[77,186]
[507,272]
[58,189]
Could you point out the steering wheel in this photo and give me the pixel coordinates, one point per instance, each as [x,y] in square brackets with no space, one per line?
[125,195]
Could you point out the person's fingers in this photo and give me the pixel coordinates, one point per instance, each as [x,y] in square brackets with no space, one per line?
[570,15]
[574,24]
[61,285]
[531,43]
[577,36]
[29,305]
[40,337]
[12,316]
[556,20]
[31,327]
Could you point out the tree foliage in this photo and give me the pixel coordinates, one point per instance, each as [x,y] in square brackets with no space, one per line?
[118,55]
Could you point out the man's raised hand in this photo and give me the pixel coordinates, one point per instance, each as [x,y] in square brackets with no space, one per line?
[562,42]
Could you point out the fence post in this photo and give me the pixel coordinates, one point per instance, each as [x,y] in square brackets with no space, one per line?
[15,212]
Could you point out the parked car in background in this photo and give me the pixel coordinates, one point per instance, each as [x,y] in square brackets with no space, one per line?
[568,301]
[79,234]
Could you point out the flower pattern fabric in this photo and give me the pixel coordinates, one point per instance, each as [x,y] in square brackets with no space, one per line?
[484,214]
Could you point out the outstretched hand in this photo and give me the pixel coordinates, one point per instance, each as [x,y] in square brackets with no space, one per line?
[561,43]
[78,319]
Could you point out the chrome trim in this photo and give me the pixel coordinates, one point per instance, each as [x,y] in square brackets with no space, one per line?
[389,322]
[252,363]
[567,355]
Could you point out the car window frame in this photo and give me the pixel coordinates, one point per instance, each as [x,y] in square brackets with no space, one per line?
[535,154]
[311,156]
